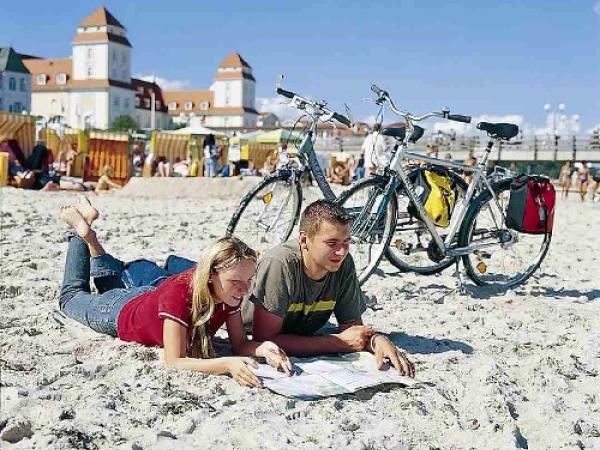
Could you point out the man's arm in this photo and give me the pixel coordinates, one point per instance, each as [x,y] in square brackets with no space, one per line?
[267,327]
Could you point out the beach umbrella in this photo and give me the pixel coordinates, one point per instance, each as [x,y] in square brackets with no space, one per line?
[197,130]
[278,136]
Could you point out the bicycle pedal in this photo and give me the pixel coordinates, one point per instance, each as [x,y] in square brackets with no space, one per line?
[482,255]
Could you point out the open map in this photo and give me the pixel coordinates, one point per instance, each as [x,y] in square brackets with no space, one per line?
[330,375]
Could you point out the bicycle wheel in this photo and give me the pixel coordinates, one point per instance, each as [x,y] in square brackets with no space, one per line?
[268,213]
[370,237]
[512,257]
[408,250]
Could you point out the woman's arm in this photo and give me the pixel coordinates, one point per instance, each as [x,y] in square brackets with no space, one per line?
[240,345]
[175,351]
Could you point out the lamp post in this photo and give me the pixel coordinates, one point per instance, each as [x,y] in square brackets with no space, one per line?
[552,115]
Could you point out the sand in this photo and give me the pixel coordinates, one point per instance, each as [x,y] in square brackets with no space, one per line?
[512,370]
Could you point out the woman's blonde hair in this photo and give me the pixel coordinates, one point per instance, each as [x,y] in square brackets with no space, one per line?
[220,255]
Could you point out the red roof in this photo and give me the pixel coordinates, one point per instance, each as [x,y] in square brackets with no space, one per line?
[100,17]
[234,60]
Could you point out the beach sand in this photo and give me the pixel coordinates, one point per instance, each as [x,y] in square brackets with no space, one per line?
[513,370]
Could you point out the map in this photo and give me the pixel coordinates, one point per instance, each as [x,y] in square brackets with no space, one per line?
[330,375]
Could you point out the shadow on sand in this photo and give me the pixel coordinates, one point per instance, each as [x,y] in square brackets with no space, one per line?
[423,345]
[594,294]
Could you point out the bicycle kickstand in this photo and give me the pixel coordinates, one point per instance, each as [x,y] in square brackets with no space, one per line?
[460,285]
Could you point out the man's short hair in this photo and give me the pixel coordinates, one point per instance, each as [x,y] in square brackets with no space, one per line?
[322,211]
[377,127]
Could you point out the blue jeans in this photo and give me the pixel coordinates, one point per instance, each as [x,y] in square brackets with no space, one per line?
[210,167]
[117,285]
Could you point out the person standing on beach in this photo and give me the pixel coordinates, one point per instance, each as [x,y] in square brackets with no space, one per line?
[584,179]
[179,312]
[564,178]
[373,147]
[211,156]
[302,282]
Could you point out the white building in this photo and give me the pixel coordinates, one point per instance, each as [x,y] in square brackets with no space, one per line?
[94,86]
[15,82]
[229,103]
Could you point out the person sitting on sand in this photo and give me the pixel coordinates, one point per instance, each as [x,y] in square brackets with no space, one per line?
[104,182]
[302,282]
[181,313]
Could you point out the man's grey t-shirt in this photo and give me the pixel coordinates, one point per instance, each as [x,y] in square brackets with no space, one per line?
[283,288]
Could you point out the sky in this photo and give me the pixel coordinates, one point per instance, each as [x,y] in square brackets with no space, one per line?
[496,60]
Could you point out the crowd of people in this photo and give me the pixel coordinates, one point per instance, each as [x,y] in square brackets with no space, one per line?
[580,177]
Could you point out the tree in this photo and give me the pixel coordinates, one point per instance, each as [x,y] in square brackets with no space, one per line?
[124,123]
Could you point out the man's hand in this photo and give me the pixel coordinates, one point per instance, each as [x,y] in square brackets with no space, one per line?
[356,337]
[385,349]
[275,356]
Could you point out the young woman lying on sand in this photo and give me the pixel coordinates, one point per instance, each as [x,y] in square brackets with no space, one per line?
[180,314]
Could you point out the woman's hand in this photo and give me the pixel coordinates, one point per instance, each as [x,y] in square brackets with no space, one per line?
[275,356]
[237,367]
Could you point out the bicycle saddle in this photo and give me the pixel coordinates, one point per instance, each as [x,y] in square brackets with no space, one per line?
[400,133]
[504,131]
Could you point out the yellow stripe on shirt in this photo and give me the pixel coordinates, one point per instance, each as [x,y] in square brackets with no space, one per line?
[321,305]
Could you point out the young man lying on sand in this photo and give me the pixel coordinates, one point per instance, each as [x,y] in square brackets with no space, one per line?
[300,283]
[180,313]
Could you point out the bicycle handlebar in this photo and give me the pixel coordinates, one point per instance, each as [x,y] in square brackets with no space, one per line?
[459,118]
[383,96]
[342,119]
[319,107]
[285,93]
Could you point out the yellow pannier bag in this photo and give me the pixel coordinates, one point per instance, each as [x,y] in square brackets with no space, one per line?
[437,195]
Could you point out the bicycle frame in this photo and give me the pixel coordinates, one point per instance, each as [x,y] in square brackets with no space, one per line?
[401,178]
[307,151]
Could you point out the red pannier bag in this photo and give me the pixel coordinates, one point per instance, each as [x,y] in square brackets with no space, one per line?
[531,205]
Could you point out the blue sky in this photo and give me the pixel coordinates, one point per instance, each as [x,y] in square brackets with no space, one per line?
[494,58]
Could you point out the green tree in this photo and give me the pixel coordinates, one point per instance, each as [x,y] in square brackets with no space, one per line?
[124,123]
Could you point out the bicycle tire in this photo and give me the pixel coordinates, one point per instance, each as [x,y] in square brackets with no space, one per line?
[527,248]
[399,258]
[270,182]
[380,234]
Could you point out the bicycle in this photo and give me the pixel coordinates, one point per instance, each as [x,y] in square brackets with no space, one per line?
[477,235]
[267,214]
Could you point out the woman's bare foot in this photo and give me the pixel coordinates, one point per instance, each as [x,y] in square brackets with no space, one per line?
[86,209]
[72,217]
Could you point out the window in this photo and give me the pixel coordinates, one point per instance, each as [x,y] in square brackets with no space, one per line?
[12,84]
[204,105]
[188,105]
[126,103]
[227,94]
[90,71]
[114,55]
[137,102]
[1,77]
[146,103]
[90,52]
[0,103]
[61,78]
[22,85]
[157,104]
[123,58]
[17,107]
[172,106]
[116,102]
